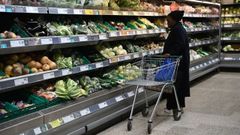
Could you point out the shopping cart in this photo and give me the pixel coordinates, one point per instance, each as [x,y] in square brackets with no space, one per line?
[155,71]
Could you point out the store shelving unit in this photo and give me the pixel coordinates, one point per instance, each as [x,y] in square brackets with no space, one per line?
[230,59]
[87,113]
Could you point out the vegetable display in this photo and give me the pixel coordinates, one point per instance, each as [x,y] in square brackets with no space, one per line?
[69,89]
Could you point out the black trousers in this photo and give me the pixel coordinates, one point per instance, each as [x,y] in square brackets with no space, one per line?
[171,101]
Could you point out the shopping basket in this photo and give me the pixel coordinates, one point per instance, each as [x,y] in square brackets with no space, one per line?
[156,71]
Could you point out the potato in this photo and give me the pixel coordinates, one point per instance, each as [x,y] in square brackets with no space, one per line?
[34,70]
[8,70]
[38,65]
[53,65]
[45,60]
[46,67]
[32,64]
[40,70]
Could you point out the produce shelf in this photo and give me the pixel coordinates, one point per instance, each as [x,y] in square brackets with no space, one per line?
[23,9]
[194,15]
[41,43]
[203,42]
[230,39]
[230,60]
[200,30]
[231,4]
[205,71]
[200,64]
[231,15]
[15,82]
[203,2]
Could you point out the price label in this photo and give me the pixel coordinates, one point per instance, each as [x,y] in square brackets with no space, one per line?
[2,8]
[144,31]
[130,94]
[205,64]
[102,36]
[37,131]
[102,105]
[139,32]
[84,68]
[157,51]
[78,11]
[125,13]
[135,13]
[46,41]
[140,90]
[65,40]
[89,12]
[157,31]
[150,31]
[85,112]
[66,72]
[114,60]
[151,52]
[55,123]
[48,75]
[210,62]
[17,43]
[99,64]
[155,14]
[127,57]
[144,53]
[21,81]
[68,118]
[130,32]
[31,9]
[83,38]
[119,98]
[197,67]
[113,34]
[115,13]
[201,65]
[62,11]
[136,55]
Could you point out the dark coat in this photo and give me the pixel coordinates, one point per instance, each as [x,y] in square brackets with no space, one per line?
[177,44]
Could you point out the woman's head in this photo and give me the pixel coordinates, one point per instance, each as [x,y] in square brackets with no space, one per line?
[174,17]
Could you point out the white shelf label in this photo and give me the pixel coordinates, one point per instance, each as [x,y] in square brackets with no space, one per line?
[127,57]
[125,13]
[68,118]
[46,41]
[197,67]
[205,64]
[31,9]
[17,43]
[37,131]
[84,68]
[201,65]
[144,53]
[2,8]
[130,94]
[139,32]
[65,40]
[135,13]
[157,31]
[102,105]
[102,36]
[151,31]
[21,81]
[115,13]
[48,75]
[136,55]
[99,64]
[157,51]
[83,38]
[78,11]
[119,98]
[151,52]
[144,31]
[85,112]
[113,34]
[66,72]
[140,90]
[62,11]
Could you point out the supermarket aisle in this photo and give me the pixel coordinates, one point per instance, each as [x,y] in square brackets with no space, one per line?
[213,109]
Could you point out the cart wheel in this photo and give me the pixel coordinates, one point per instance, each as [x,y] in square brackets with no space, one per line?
[149,128]
[177,115]
[129,125]
[145,112]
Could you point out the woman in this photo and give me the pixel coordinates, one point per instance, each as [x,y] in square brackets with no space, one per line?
[177,45]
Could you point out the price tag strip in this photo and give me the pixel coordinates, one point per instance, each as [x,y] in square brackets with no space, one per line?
[68,118]
[46,41]
[66,72]
[48,75]
[20,81]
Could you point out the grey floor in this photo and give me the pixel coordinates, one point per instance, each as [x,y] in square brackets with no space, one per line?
[213,109]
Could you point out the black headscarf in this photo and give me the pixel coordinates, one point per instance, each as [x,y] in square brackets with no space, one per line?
[176,15]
